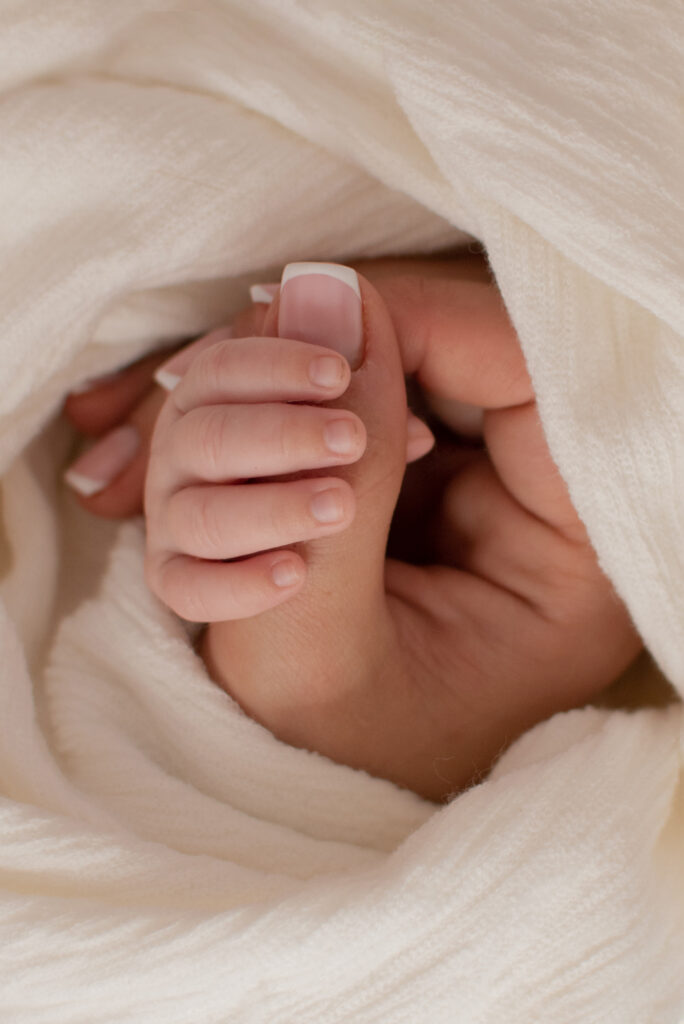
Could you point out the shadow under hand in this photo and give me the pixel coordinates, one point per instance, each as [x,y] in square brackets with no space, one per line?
[412,536]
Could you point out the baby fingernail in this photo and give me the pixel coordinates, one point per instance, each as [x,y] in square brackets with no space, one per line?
[263,292]
[327,506]
[285,573]
[341,436]
[96,468]
[321,303]
[327,371]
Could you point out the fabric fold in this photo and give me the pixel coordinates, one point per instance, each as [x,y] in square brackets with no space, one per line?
[162,856]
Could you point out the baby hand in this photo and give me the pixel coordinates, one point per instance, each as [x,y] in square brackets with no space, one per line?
[219,544]
[215,537]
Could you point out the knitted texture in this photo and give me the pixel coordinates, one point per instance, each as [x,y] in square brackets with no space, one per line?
[163,858]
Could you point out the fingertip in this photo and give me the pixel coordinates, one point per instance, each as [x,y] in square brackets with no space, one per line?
[419,438]
[417,449]
[202,590]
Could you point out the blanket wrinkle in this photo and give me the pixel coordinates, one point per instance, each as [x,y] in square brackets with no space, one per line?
[163,857]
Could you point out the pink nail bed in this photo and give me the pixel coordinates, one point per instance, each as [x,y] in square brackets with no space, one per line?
[327,507]
[321,303]
[285,573]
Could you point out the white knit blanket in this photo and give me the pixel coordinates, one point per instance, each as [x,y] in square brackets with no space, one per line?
[163,858]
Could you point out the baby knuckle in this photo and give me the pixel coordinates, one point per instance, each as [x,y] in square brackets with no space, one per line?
[283,517]
[232,592]
[179,592]
[206,440]
[192,522]
[191,604]
[205,525]
[167,579]
[288,434]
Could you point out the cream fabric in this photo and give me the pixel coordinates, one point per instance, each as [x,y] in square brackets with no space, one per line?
[162,857]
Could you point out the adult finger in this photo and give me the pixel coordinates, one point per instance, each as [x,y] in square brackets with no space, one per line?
[456,337]
[106,402]
[453,329]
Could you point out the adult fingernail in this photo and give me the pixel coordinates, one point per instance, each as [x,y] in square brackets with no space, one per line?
[169,373]
[95,470]
[321,303]
[263,292]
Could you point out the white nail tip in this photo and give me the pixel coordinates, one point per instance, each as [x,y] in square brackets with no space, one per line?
[258,293]
[166,380]
[336,270]
[84,484]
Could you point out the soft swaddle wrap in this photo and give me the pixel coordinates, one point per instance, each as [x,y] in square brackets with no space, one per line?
[162,857]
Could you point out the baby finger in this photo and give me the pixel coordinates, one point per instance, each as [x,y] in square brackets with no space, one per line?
[233,520]
[218,443]
[258,370]
[218,591]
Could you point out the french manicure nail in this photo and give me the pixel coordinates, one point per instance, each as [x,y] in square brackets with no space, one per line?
[263,292]
[321,303]
[96,468]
